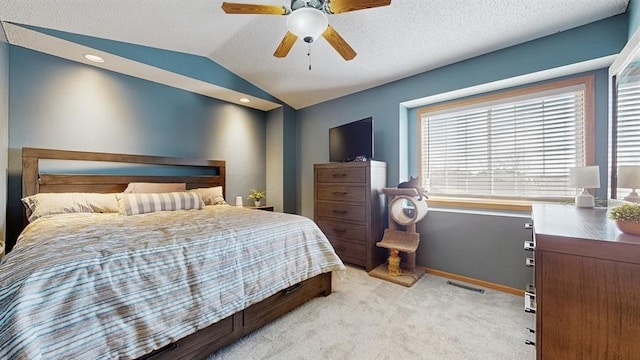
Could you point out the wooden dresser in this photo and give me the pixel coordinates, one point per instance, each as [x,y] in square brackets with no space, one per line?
[349,207]
[587,285]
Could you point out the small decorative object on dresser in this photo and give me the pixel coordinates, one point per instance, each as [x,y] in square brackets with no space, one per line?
[627,218]
[257,196]
[629,178]
[585,177]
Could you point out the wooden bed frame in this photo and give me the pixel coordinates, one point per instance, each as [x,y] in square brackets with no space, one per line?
[210,339]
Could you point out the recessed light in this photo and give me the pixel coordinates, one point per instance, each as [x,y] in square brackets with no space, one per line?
[245,100]
[94,58]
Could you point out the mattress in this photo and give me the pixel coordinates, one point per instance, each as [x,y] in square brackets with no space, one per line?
[101,286]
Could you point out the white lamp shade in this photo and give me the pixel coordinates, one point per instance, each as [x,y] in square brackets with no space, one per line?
[307,23]
[585,177]
[629,176]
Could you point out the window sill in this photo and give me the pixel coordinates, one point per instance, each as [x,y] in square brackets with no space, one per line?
[486,204]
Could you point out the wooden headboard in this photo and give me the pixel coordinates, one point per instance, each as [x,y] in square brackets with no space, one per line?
[34,182]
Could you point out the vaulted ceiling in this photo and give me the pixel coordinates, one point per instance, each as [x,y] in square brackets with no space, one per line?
[392,42]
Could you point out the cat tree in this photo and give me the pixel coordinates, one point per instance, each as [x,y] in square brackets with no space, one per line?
[406,208]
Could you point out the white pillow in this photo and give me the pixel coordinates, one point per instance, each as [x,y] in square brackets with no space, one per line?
[147,187]
[43,204]
[133,204]
[211,196]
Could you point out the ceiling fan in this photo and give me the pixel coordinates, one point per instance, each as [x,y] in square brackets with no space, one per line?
[307,19]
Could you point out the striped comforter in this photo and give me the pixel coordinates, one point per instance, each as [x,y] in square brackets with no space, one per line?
[105,286]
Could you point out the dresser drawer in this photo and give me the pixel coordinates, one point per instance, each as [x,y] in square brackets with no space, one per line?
[341,211]
[342,193]
[345,175]
[349,252]
[282,302]
[333,228]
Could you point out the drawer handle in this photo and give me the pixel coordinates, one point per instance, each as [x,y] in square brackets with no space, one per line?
[339,211]
[531,289]
[529,245]
[340,230]
[528,226]
[292,289]
[340,193]
[531,330]
[339,175]
[529,303]
[529,342]
[530,262]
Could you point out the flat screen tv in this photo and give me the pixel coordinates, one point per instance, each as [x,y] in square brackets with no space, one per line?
[352,141]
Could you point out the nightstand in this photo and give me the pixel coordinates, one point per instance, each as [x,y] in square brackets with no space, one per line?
[263,207]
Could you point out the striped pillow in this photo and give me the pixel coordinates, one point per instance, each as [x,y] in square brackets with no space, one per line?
[133,204]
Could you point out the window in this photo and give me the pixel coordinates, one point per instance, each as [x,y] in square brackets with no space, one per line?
[627,132]
[516,145]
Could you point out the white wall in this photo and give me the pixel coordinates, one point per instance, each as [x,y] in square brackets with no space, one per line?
[274,159]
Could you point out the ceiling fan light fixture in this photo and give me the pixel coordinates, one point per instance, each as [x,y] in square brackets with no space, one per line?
[307,23]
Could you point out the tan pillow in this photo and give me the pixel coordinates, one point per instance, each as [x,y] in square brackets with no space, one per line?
[43,204]
[133,204]
[211,196]
[146,187]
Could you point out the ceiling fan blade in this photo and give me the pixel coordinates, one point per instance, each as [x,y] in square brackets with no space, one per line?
[341,6]
[338,43]
[285,45]
[235,8]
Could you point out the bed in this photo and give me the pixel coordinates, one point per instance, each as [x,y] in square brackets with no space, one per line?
[157,284]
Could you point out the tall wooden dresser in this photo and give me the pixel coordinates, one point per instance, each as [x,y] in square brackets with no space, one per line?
[587,285]
[349,207]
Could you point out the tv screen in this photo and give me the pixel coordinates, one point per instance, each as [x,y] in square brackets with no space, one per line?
[350,141]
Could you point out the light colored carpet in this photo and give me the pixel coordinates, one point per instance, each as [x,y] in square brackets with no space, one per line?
[369,318]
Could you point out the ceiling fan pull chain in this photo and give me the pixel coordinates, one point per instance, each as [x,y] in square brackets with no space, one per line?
[309,54]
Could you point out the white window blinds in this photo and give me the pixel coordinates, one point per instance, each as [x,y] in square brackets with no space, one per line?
[627,134]
[514,147]
[628,124]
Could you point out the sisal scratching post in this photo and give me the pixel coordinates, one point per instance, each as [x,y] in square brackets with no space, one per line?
[405,210]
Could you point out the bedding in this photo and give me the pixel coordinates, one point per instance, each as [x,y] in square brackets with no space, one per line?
[98,286]
[149,187]
[44,204]
[211,195]
[135,204]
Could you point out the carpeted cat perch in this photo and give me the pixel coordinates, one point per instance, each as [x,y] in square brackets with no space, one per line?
[406,208]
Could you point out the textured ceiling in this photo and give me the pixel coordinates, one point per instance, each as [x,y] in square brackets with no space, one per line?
[406,38]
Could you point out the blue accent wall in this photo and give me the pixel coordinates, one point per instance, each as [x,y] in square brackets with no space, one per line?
[465,243]
[60,104]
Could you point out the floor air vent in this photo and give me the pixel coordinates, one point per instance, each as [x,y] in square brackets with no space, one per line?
[467,287]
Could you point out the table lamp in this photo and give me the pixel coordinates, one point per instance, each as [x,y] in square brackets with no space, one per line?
[629,178]
[585,177]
